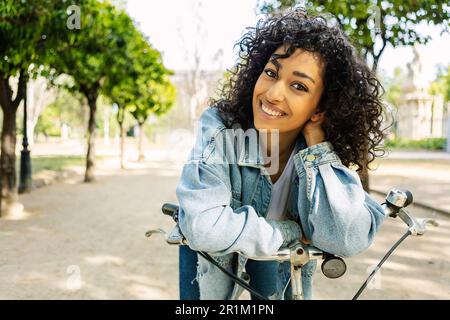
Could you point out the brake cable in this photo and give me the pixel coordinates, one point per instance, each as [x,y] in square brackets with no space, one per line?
[235,278]
[377,268]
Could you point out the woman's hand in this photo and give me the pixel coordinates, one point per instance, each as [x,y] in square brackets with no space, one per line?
[312,131]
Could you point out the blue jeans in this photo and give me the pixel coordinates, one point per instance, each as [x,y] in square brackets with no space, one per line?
[262,276]
[187,264]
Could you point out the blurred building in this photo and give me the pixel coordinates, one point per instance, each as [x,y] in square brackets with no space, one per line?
[420,115]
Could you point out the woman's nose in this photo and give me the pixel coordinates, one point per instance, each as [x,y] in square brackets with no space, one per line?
[276,92]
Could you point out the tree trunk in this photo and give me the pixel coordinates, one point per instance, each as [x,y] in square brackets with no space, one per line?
[106,127]
[8,157]
[122,145]
[8,179]
[90,158]
[140,142]
[120,119]
[364,174]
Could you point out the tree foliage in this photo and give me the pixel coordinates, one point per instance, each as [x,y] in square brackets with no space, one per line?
[23,44]
[441,85]
[372,24]
[156,98]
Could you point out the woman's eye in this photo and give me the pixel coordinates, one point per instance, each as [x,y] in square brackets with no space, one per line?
[270,73]
[300,87]
[297,86]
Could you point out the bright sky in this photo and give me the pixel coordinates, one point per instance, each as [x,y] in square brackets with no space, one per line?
[171,26]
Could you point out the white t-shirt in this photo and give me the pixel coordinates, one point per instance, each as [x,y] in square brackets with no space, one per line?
[280,191]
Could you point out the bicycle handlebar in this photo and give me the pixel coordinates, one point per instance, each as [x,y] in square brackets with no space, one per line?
[417,227]
[283,254]
[396,201]
[299,254]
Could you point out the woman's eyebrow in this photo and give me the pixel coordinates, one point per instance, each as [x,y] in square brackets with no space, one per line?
[295,73]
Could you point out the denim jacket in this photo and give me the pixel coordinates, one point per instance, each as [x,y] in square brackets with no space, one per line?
[223,208]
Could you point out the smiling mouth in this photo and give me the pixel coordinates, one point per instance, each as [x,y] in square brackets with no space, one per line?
[269,112]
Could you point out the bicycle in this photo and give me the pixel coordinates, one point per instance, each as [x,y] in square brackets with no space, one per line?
[299,253]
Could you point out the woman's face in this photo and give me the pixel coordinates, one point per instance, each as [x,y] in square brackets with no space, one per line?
[285,98]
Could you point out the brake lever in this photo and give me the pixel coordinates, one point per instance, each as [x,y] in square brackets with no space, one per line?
[422,223]
[149,233]
[417,227]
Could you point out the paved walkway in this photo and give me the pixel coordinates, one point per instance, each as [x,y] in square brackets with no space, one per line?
[93,230]
[427,179]
[86,241]
[425,174]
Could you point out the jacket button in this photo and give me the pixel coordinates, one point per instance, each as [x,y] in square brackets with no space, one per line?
[310,157]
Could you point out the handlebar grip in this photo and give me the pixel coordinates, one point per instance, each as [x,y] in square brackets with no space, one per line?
[170,209]
[409,197]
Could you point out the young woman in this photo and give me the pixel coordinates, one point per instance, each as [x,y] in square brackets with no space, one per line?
[300,82]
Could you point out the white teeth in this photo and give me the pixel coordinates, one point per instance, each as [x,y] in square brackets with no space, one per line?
[270,111]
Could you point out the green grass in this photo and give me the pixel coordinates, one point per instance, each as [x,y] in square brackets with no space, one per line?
[436,164]
[55,163]
[423,144]
[52,163]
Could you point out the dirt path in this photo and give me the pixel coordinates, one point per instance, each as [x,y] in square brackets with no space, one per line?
[418,269]
[97,231]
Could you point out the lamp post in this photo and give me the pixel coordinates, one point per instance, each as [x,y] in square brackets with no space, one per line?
[25,161]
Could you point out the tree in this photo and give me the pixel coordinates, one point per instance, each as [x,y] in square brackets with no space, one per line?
[38,97]
[394,92]
[23,44]
[194,53]
[157,99]
[441,85]
[49,122]
[372,24]
[128,81]
[66,108]
[88,54]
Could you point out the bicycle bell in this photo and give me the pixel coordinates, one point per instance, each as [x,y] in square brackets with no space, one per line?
[333,267]
[397,199]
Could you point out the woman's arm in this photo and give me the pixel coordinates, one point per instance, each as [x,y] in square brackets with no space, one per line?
[341,217]
[206,218]
[210,224]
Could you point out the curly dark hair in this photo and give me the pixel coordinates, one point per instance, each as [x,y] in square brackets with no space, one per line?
[351,98]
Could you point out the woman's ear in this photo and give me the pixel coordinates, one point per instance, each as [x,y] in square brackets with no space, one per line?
[317,116]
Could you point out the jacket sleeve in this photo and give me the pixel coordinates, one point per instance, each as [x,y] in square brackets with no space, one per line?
[210,224]
[341,217]
[206,218]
